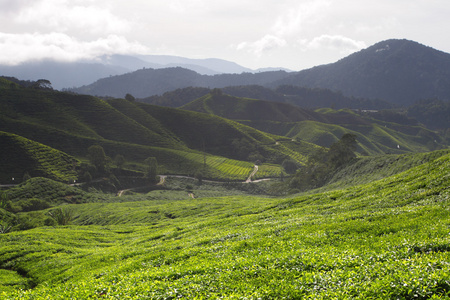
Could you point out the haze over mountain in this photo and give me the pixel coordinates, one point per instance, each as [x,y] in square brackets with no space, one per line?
[73,74]
[399,71]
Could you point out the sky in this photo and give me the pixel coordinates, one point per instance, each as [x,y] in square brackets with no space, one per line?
[294,34]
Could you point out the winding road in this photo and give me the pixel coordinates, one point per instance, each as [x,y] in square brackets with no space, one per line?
[249,179]
[162,179]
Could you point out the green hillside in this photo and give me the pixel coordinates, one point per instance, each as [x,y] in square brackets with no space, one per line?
[372,138]
[387,239]
[250,109]
[324,126]
[176,138]
[220,136]
[20,156]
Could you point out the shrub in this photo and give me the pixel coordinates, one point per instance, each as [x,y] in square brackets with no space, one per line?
[61,216]
[4,228]
[32,204]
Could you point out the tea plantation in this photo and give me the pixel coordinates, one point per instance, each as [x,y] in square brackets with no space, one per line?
[387,239]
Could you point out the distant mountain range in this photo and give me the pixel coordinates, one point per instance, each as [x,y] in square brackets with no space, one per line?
[398,71]
[74,74]
[147,82]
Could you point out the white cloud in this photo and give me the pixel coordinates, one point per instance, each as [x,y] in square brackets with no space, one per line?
[295,19]
[339,43]
[286,27]
[18,48]
[265,44]
[64,15]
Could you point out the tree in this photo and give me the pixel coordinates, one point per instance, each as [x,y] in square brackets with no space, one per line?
[323,163]
[199,176]
[342,151]
[119,160]
[26,176]
[43,84]
[290,166]
[130,98]
[151,167]
[97,157]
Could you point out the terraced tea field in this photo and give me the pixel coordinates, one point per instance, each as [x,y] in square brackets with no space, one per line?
[388,239]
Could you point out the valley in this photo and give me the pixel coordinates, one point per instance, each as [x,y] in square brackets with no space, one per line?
[228,186]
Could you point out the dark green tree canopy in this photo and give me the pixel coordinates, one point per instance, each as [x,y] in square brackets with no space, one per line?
[151,165]
[130,97]
[97,157]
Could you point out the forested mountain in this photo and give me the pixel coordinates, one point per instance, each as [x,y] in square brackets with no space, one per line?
[433,113]
[298,96]
[398,71]
[148,82]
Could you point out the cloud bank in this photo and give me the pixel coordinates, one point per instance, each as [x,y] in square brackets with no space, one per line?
[19,48]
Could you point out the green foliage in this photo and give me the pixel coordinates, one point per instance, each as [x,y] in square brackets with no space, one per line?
[151,168]
[97,157]
[199,176]
[61,216]
[323,163]
[31,204]
[4,228]
[119,160]
[290,166]
[26,176]
[50,191]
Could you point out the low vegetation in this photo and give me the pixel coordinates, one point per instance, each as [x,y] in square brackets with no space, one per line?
[385,239]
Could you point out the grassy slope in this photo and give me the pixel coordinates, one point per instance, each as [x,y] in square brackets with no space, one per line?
[19,155]
[236,108]
[322,127]
[215,134]
[373,138]
[386,239]
[72,123]
[372,168]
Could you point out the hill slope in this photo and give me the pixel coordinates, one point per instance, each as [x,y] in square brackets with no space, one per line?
[19,156]
[177,138]
[387,239]
[250,109]
[398,71]
[321,127]
[298,96]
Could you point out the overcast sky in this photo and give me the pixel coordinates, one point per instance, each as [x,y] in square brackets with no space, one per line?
[294,34]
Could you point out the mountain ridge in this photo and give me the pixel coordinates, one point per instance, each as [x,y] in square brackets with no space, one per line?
[398,71]
[64,75]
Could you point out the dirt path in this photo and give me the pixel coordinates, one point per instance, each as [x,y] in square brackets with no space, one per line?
[249,179]
[162,179]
